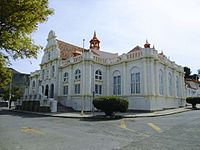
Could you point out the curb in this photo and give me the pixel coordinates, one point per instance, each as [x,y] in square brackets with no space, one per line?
[49,115]
[90,116]
[156,115]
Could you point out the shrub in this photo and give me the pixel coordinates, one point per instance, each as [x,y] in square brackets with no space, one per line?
[193,101]
[110,104]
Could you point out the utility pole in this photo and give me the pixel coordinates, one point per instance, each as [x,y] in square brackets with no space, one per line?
[10,94]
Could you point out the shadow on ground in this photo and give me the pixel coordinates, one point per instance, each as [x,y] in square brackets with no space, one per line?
[20,114]
[101,118]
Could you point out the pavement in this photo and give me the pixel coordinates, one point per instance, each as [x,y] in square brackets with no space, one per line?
[124,115]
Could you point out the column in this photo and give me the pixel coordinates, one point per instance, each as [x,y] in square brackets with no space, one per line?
[145,84]
[174,83]
[165,81]
[156,78]
[124,79]
[152,80]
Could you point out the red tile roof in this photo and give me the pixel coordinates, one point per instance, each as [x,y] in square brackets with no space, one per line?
[68,50]
[137,48]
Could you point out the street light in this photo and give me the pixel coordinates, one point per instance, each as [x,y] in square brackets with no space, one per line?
[82,80]
[10,93]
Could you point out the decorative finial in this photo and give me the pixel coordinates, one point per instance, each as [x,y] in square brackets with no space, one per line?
[94,36]
[94,42]
[153,46]
[147,45]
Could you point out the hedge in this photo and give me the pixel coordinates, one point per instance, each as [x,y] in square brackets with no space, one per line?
[110,104]
[193,101]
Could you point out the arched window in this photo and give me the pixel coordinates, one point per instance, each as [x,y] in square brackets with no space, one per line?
[47,91]
[52,91]
[77,74]
[177,86]
[161,82]
[52,71]
[98,75]
[135,81]
[66,77]
[170,87]
[116,83]
[42,89]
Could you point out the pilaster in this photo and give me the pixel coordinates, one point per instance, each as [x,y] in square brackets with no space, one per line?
[145,76]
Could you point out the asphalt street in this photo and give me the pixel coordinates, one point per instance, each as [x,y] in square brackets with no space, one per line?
[35,132]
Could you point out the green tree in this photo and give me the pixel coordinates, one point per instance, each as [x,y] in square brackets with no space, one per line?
[16,93]
[5,74]
[18,19]
[187,72]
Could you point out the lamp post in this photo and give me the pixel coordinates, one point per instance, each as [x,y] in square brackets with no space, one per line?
[10,93]
[82,112]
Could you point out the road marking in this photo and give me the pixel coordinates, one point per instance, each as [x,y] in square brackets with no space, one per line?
[153,126]
[31,131]
[123,126]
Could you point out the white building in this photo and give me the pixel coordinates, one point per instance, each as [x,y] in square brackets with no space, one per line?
[192,88]
[69,74]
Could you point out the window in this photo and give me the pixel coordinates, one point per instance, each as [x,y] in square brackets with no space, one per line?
[49,55]
[47,75]
[33,84]
[43,74]
[65,90]
[53,71]
[98,75]
[170,87]
[77,74]
[177,86]
[116,83]
[98,89]
[77,88]
[135,83]
[66,77]
[161,83]
[42,89]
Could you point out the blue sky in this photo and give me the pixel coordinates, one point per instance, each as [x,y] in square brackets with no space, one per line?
[173,26]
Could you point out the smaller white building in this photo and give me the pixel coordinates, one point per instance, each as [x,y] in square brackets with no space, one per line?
[192,88]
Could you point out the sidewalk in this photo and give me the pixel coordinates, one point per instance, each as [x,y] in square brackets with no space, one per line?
[124,115]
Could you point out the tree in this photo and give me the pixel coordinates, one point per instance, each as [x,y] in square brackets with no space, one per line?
[18,19]
[16,93]
[187,72]
[195,77]
[5,74]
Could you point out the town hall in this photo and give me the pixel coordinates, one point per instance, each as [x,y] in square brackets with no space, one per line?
[72,76]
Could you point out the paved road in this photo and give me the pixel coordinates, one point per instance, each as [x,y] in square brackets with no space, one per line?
[33,132]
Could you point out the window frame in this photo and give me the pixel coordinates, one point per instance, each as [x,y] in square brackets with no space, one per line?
[77,75]
[66,77]
[98,74]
